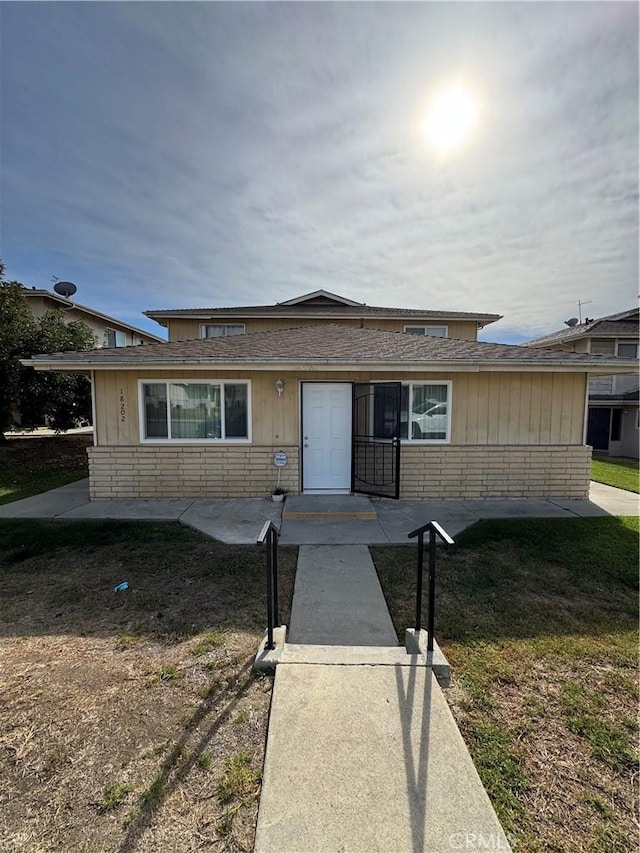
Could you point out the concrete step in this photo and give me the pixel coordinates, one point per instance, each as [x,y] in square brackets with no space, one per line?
[336,507]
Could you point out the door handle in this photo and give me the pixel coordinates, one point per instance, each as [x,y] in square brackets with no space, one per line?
[305,444]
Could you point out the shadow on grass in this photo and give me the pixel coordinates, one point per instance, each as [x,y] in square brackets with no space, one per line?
[515,578]
[59,578]
[179,763]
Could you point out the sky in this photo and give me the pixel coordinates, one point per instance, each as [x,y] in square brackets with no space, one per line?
[176,155]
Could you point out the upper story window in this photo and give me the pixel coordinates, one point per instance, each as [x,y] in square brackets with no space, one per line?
[627,349]
[433,331]
[221,330]
[113,338]
[194,411]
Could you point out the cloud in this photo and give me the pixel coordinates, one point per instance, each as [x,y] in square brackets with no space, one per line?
[176,155]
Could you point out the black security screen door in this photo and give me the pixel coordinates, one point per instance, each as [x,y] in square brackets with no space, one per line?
[376,438]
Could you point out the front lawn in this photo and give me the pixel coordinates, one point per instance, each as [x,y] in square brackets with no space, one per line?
[539,620]
[36,464]
[621,473]
[130,720]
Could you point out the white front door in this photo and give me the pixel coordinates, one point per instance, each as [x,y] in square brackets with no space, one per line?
[326,436]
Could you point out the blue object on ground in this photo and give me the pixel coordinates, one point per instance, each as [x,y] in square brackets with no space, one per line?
[121,587]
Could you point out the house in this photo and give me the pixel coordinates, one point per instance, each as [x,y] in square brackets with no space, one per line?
[188,324]
[612,424]
[346,397]
[108,331]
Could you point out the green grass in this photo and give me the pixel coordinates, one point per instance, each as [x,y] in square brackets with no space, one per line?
[16,484]
[539,621]
[114,795]
[241,780]
[621,473]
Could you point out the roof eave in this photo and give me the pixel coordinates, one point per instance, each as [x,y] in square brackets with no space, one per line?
[205,314]
[309,365]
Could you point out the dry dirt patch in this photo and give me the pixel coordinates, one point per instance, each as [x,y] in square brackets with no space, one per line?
[130,720]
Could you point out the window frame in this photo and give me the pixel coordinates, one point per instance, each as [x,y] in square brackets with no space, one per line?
[624,342]
[424,327]
[205,337]
[170,440]
[410,384]
[115,332]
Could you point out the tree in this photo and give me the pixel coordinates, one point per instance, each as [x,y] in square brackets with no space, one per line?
[61,399]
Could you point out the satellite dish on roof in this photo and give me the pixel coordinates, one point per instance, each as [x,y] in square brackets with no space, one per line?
[572,322]
[65,288]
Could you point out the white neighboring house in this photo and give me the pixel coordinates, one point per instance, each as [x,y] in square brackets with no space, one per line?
[613,424]
[108,331]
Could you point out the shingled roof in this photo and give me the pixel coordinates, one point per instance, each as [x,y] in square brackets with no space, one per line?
[612,326]
[326,345]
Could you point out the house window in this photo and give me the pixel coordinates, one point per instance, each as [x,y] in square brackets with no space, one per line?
[221,330]
[424,406]
[195,411]
[114,338]
[434,331]
[627,349]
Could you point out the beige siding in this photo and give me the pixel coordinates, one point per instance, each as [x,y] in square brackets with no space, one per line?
[486,408]
[188,330]
[513,434]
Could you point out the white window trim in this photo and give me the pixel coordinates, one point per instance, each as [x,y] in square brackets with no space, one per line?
[410,383]
[426,326]
[203,326]
[174,381]
[626,341]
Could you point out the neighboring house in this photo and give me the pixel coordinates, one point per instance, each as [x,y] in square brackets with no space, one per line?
[354,408]
[613,426]
[108,331]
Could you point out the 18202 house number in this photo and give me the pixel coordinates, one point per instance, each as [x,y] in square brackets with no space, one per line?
[123,407]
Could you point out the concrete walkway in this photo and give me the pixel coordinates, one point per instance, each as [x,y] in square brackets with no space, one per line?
[237,520]
[363,754]
[338,600]
[368,759]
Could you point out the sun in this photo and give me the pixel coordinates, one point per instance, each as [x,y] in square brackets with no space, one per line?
[451,118]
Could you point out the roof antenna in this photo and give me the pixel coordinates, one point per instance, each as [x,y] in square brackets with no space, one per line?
[580,304]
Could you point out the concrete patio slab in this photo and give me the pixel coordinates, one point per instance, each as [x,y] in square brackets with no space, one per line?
[582,509]
[141,509]
[368,759]
[235,521]
[49,504]
[328,531]
[399,518]
[338,600]
[514,508]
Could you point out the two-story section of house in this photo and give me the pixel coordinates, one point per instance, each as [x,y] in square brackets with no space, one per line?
[325,395]
[319,307]
[107,331]
[613,424]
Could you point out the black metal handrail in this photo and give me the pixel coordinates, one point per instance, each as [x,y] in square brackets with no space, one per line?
[270,534]
[434,530]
